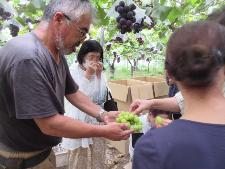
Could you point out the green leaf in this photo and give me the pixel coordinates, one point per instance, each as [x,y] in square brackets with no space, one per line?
[16,2]
[101,17]
[148,11]
[161,12]
[21,21]
[30,9]
[36,3]
[162,2]
[196,3]
[99,3]
[193,2]
[174,14]
[112,32]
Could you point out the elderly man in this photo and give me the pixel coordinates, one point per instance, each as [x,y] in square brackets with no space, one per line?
[34,78]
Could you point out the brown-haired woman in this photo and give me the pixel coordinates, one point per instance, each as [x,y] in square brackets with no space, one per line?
[195,59]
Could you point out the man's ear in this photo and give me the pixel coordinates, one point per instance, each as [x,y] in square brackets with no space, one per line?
[58,17]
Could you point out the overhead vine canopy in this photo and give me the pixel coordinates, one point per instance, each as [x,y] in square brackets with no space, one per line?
[21,16]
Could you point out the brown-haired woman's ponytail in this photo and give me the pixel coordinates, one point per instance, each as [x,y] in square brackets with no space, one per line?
[196,64]
[195,52]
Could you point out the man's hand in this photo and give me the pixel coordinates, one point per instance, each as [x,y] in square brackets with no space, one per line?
[140,105]
[116,131]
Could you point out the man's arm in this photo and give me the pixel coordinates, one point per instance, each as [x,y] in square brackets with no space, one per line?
[62,126]
[84,103]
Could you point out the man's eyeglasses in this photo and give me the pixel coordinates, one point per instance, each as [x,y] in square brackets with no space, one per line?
[81,31]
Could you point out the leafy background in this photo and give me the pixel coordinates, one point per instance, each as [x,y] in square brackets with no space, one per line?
[129,57]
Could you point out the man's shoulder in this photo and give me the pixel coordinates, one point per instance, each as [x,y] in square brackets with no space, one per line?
[21,48]
[22,45]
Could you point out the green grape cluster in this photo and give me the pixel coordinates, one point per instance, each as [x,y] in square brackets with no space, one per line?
[131,120]
[159,120]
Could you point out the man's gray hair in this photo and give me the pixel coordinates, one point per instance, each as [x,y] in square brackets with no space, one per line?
[74,9]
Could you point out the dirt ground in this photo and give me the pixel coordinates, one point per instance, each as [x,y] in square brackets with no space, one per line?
[115,159]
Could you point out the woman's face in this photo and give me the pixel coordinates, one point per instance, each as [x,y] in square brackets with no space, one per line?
[92,57]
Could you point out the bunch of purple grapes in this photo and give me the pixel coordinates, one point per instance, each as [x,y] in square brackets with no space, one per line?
[138,26]
[4,14]
[126,17]
[13,30]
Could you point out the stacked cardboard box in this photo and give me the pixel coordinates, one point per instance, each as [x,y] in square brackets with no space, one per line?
[160,87]
[126,91]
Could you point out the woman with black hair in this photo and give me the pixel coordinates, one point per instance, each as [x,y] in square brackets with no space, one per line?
[88,73]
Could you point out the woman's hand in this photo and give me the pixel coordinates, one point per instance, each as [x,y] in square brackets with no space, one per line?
[140,105]
[90,69]
[99,69]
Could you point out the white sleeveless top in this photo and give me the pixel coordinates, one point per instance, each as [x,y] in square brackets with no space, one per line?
[94,88]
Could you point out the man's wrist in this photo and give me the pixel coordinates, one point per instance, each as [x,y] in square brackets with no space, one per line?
[100,115]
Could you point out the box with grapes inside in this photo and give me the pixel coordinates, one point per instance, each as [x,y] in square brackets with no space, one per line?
[131,120]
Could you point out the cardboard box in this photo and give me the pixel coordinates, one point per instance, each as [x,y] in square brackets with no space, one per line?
[122,146]
[61,158]
[126,91]
[160,87]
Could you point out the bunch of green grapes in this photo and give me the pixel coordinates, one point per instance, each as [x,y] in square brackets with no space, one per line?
[159,120]
[131,120]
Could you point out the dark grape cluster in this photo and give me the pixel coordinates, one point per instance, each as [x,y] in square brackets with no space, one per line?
[4,14]
[152,25]
[118,59]
[142,56]
[139,2]
[148,59]
[126,17]
[139,26]
[140,41]
[108,46]
[28,20]
[13,30]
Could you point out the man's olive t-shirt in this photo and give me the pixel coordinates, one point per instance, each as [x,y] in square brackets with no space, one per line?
[32,85]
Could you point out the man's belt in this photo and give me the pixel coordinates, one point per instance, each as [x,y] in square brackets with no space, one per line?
[22,163]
